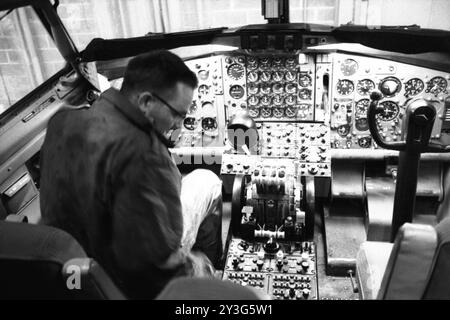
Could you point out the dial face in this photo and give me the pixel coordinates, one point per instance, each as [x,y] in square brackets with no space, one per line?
[266,88]
[203,74]
[252,76]
[364,142]
[290,112]
[265,100]
[277,76]
[290,88]
[343,130]
[277,100]
[253,112]
[345,87]
[265,76]
[290,63]
[252,63]
[277,112]
[252,88]
[349,67]
[209,124]
[290,76]
[290,100]
[237,91]
[264,63]
[390,111]
[304,94]
[436,85]
[266,112]
[203,90]
[365,86]
[277,88]
[390,86]
[305,80]
[192,108]
[190,123]
[235,71]
[361,108]
[413,87]
[253,100]
[361,124]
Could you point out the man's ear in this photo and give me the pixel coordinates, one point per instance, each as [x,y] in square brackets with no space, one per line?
[144,102]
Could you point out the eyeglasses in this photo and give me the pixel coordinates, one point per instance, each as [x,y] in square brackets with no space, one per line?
[175,111]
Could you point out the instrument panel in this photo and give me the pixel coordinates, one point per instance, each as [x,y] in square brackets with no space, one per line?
[285,90]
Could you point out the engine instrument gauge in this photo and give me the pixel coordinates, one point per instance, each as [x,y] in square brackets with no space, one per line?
[235,71]
[290,112]
[277,88]
[365,87]
[390,111]
[252,76]
[390,86]
[192,108]
[266,112]
[264,63]
[253,112]
[277,76]
[290,100]
[290,63]
[209,124]
[361,124]
[365,142]
[252,63]
[265,100]
[277,100]
[203,90]
[190,123]
[277,62]
[237,91]
[252,88]
[277,112]
[436,85]
[304,94]
[361,108]
[253,100]
[290,76]
[290,88]
[265,76]
[305,80]
[266,88]
[349,67]
[343,130]
[345,87]
[413,87]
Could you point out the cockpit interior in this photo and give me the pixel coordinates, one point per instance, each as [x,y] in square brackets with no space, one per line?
[332,143]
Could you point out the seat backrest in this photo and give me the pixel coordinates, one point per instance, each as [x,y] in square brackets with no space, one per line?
[410,262]
[35,263]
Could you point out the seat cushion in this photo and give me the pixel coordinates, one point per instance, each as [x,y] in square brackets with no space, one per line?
[371,262]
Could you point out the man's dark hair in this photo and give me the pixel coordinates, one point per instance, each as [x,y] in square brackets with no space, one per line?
[157,70]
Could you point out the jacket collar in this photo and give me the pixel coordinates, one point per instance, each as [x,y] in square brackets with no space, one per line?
[132,113]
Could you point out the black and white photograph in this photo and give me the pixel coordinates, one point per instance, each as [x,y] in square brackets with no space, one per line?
[225,154]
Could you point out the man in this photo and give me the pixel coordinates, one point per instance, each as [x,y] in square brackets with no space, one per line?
[109,180]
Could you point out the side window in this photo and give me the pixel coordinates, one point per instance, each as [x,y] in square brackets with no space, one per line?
[28,55]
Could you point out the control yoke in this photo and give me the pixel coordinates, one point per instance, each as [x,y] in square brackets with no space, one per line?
[418,124]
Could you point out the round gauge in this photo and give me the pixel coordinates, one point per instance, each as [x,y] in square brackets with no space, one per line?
[413,87]
[237,91]
[266,112]
[345,87]
[365,142]
[290,112]
[343,130]
[265,100]
[203,90]
[209,124]
[305,80]
[253,112]
[253,100]
[252,76]
[277,76]
[252,88]
[277,88]
[235,71]
[203,74]
[390,86]
[207,107]
[365,87]
[265,76]
[192,108]
[290,63]
[290,76]
[265,88]
[252,63]
[290,100]
[304,94]
[390,111]
[436,85]
[361,108]
[349,67]
[277,100]
[278,112]
[362,124]
[264,63]
[190,123]
[277,62]
[290,88]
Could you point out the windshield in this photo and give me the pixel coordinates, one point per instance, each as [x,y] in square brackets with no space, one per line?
[88,19]
[28,55]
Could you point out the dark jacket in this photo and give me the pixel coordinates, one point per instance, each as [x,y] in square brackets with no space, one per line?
[108,179]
